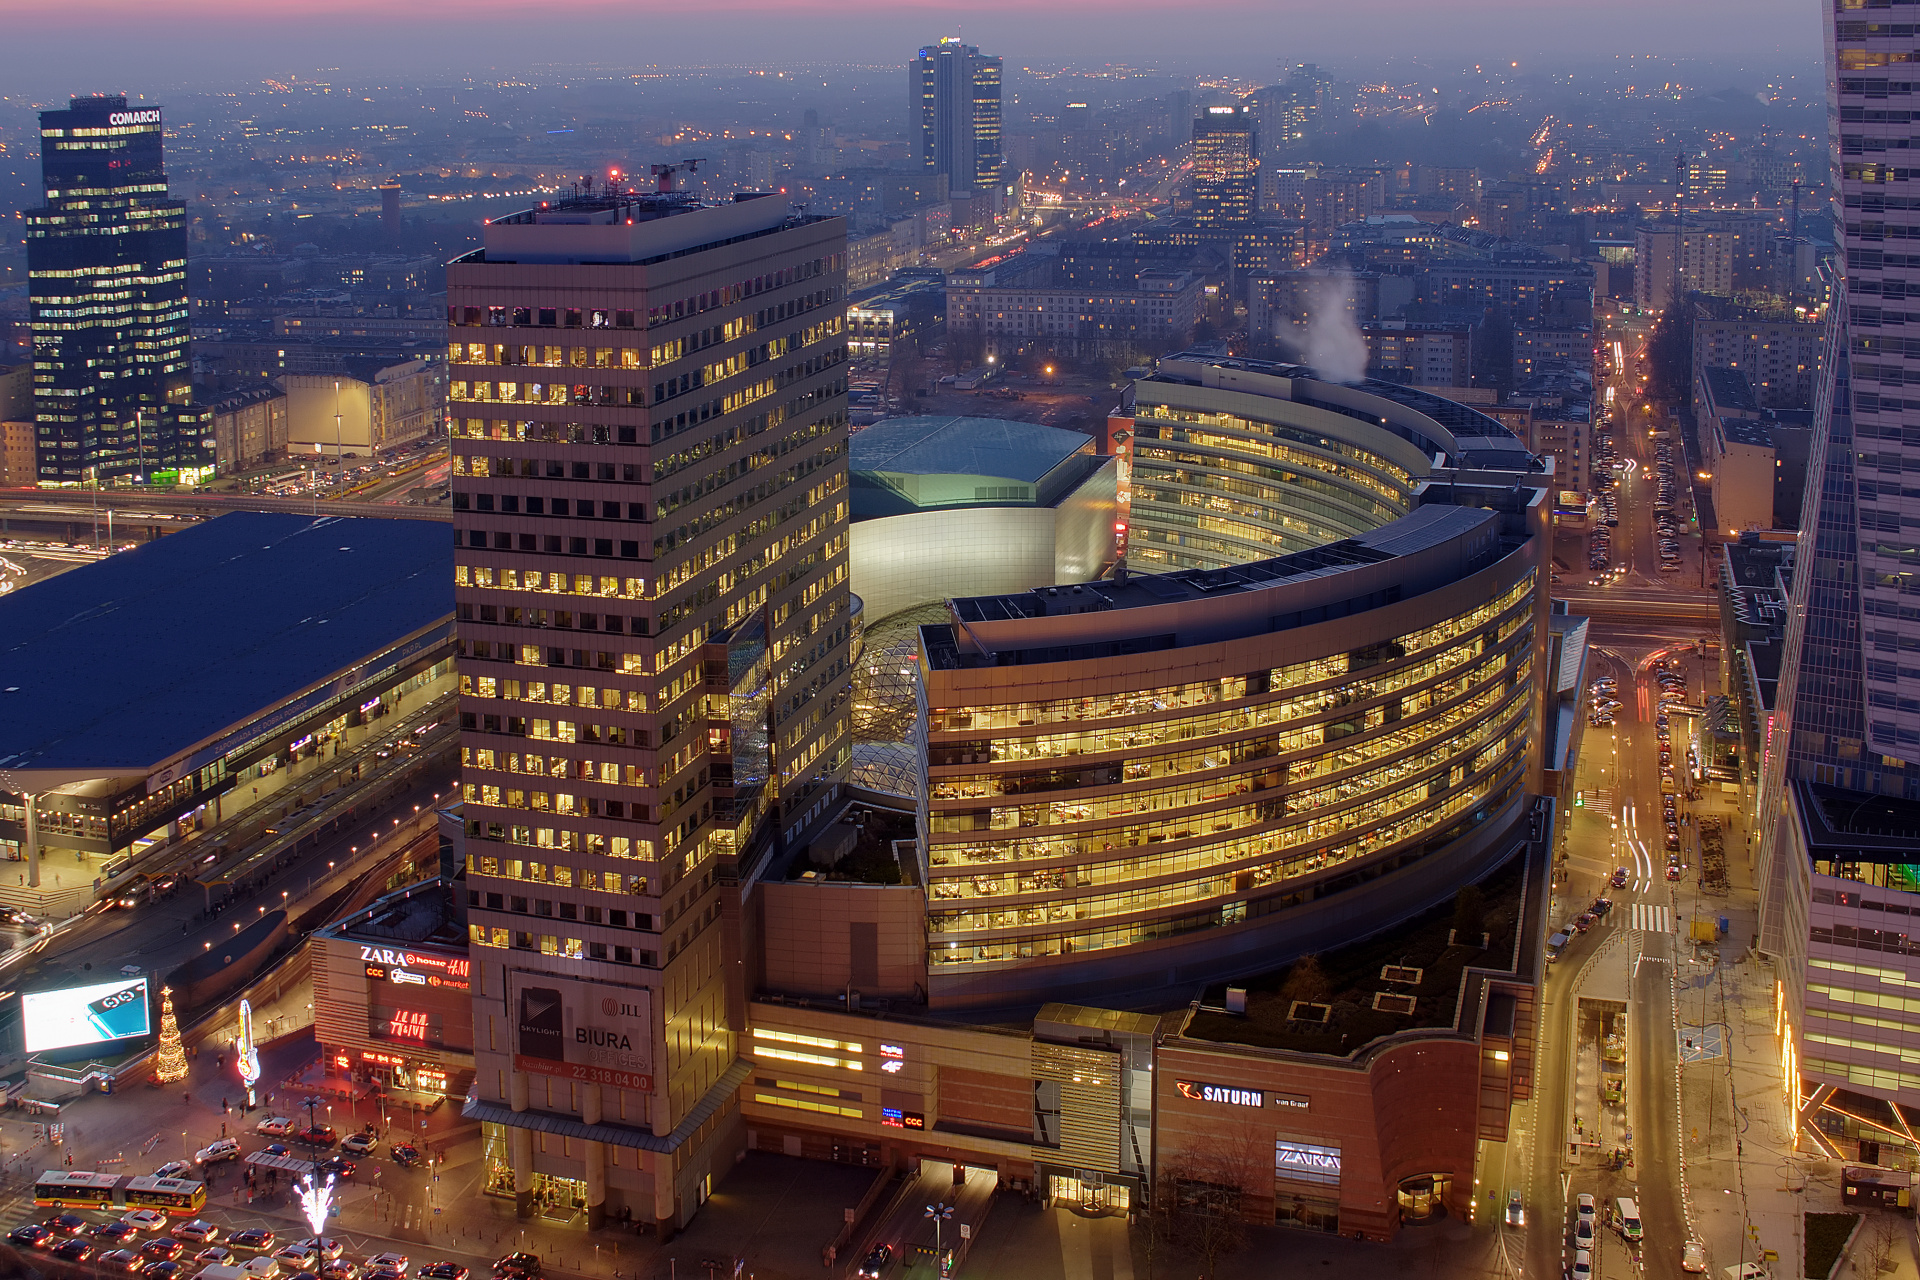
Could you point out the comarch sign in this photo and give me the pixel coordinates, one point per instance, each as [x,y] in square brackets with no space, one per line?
[134,117]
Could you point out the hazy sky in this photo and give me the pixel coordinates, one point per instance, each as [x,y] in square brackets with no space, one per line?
[94,45]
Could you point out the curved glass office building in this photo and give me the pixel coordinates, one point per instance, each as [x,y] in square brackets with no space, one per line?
[1311,707]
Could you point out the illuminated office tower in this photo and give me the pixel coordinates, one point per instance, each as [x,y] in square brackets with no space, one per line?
[1226,167]
[649,491]
[107,279]
[953,93]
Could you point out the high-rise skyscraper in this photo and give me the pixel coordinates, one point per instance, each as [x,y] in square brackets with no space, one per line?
[107,275]
[649,492]
[1226,167]
[1851,699]
[953,93]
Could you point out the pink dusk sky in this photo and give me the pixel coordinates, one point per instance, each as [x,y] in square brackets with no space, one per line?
[241,38]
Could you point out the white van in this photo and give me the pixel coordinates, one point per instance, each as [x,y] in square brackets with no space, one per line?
[1626,1216]
[221,1271]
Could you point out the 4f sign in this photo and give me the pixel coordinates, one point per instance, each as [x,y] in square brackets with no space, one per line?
[134,117]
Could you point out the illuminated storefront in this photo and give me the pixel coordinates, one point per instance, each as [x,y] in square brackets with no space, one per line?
[393,998]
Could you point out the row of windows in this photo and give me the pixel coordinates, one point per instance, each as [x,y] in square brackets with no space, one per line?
[1449,820]
[1331,702]
[548,944]
[1482,755]
[1513,609]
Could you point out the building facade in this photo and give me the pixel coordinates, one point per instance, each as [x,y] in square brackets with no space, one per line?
[1226,167]
[1141,775]
[953,102]
[1836,808]
[107,282]
[649,490]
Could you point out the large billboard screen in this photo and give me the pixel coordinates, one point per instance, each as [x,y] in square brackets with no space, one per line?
[598,1033]
[72,1016]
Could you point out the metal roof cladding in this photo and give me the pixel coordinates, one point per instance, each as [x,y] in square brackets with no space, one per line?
[122,663]
[930,446]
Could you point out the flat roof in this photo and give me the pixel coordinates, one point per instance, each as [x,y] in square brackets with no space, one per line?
[926,445]
[110,669]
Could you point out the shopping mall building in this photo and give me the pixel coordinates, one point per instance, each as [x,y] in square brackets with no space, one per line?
[215,658]
[1297,710]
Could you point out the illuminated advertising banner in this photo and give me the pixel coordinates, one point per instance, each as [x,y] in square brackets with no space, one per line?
[418,968]
[594,1032]
[93,1014]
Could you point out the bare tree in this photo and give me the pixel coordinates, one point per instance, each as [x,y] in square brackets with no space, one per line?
[1878,1252]
[1306,981]
[1202,1196]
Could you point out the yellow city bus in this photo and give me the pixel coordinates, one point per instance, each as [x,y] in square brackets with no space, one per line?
[80,1190]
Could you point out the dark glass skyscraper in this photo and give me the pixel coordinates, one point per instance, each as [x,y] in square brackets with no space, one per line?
[107,272]
[953,96]
[1226,167]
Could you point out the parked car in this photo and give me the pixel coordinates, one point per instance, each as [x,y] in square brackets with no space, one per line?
[174,1169]
[275,1126]
[318,1135]
[276,1149]
[359,1144]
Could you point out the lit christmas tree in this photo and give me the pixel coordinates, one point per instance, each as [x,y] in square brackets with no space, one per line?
[172,1063]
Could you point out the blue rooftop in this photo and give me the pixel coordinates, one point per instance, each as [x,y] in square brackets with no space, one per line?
[903,465]
[110,669]
[928,446]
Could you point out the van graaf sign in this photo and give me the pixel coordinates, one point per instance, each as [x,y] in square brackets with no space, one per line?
[596,1033]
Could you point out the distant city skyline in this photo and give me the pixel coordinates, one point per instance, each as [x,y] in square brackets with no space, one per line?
[359,36]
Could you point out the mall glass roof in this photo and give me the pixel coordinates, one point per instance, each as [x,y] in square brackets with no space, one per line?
[110,669]
[1021,451]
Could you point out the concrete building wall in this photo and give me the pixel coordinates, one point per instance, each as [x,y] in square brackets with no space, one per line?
[897,562]
[819,939]
[17,454]
[1743,487]
[314,400]
[1402,1114]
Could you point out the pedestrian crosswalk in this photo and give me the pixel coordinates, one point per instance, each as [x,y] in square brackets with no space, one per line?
[1651,917]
